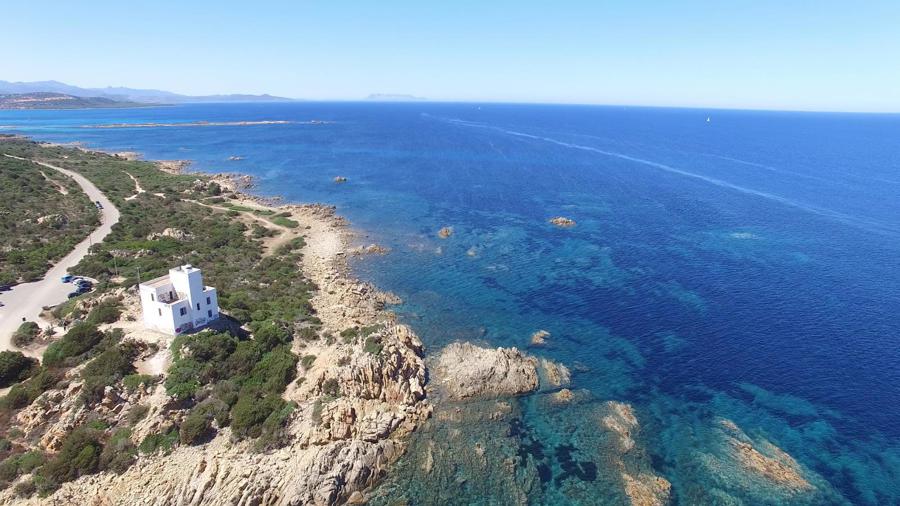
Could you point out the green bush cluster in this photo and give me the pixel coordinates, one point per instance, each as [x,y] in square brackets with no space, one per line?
[14,367]
[159,442]
[134,381]
[285,222]
[16,465]
[107,311]
[25,334]
[80,339]
[78,456]
[24,393]
[106,369]
[232,381]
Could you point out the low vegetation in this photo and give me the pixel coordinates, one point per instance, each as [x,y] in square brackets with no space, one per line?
[26,334]
[219,379]
[15,367]
[38,223]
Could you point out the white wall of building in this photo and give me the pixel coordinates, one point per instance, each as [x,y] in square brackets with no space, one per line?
[178,302]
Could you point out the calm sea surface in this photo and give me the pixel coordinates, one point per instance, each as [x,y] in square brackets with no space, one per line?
[746,268]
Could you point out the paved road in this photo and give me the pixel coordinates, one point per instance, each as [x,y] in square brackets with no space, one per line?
[28,299]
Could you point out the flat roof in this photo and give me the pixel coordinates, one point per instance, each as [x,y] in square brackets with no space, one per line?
[158,282]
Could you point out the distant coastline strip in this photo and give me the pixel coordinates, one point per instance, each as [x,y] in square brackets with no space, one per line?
[205,124]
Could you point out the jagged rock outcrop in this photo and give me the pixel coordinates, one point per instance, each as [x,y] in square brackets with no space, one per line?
[466,370]
[642,486]
[174,233]
[53,220]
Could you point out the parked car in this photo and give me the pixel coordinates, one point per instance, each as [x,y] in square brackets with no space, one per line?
[98,204]
[67,278]
[74,294]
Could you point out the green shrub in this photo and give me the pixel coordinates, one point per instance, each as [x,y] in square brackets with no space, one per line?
[14,367]
[16,465]
[24,393]
[251,410]
[25,334]
[285,222]
[269,334]
[81,338]
[106,370]
[137,413]
[79,456]
[134,381]
[274,371]
[196,427]
[308,333]
[273,432]
[307,361]
[105,312]
[373,345]
[331,388]
[119,452]
[159,442]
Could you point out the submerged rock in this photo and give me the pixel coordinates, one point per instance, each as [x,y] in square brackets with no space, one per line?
[561,221]
[539,338]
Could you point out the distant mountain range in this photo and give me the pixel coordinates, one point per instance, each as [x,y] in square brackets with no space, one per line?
[126,95]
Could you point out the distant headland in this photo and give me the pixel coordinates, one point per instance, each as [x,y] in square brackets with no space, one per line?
[58,95]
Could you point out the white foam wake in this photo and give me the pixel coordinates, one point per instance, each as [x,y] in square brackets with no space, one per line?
[847,219]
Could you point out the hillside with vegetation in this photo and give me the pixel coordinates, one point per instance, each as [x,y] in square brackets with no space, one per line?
[271,380]
[44,215]
[47,100]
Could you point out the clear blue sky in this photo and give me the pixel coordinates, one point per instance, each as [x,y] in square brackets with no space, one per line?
[819,55]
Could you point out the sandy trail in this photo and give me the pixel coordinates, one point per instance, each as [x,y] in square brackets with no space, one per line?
[27,300]
[137,187]
[60,188]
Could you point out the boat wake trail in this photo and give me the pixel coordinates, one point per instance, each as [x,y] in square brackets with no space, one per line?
[854,221]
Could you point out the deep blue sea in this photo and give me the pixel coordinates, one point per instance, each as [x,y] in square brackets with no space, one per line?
[746,267]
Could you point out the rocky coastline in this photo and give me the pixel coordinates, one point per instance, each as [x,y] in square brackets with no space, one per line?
[401,418]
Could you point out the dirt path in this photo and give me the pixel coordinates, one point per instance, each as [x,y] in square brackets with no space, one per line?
[137,187]
[60,188]
[27,300]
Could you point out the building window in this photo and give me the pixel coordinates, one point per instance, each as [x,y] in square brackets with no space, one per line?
[198,306]
[208,301]
[209,313]
[160,311]
[152,298]
[183,311]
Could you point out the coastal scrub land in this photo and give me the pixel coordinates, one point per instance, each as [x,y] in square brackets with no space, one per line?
[44,215]
[303,393]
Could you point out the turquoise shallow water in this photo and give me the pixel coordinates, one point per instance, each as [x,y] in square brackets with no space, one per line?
[743,269]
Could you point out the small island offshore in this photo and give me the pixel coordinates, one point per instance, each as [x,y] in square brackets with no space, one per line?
[307,390]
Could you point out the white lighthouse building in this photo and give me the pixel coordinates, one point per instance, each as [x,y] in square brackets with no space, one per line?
[178,302]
